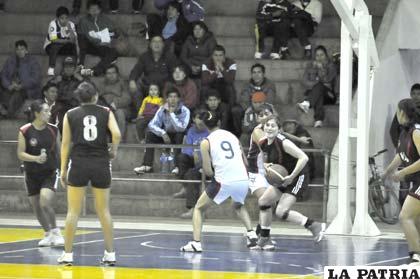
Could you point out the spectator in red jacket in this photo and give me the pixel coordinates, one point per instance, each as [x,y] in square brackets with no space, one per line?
[186,87]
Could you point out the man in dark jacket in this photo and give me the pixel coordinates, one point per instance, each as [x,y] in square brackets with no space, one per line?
[192,10]
[214,104]
[153,66]
[21,77]
[95,32]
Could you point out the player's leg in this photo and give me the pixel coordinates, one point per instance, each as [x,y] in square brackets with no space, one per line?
[46,202]
[258,187]
[42,219]
[75,196]
[408,218]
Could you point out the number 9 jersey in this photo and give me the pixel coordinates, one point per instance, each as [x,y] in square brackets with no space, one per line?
[226,157]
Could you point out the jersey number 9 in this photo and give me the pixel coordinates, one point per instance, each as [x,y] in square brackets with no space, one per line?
[90,132]
[226,146]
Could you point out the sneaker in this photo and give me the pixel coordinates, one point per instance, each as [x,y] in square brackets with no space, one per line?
[175,170]
[318,124]
[114,12]
[192,246]
[142,169]
[136,12]
[274,56]
[308,54]
[86,72]
[304,106]
[317,229]
[188,214]
[46,241]
[264,243]
[180,194]
[57,238]
[108,259]
[65,259]
[285,54]
[258,55]
[251,239]
[50,71]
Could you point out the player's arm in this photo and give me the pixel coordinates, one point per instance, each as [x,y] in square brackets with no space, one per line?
[206,159]
[22,155]
[115,133]
[396,162]
[414,167]
[296,152]
[65,150]
[244,158]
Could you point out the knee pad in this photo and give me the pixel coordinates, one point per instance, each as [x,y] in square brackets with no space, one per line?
[285,215]
[237,205]
[265,207]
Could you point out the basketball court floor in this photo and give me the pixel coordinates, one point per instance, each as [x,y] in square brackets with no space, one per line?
[151,250]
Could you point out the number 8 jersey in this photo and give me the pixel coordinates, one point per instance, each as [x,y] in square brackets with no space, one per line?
[89,131]
[226,157]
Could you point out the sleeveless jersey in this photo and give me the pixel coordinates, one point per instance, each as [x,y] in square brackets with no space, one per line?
[89,131]
[226,157]
[35,141]
[255,156]
[408,152]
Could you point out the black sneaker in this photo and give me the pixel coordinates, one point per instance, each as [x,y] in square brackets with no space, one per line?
[414,260]
[285,54]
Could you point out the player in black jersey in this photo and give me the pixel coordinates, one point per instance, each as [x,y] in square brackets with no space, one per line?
[85,142]
[409,157]
[38,149]
[279,150]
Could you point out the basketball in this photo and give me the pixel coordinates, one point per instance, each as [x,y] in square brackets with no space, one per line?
[275,174]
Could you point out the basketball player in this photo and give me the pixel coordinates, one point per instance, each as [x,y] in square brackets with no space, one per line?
[85,141]
[223,160]
[279,150]
[38,144]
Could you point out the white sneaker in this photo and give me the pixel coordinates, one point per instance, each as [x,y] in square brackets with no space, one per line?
[251,239]
[46,241]
[192,246]
[274,56]
[65,259]
[175,170]
[50,71]
[108,259]
[258,55]
[57,238]
[318,124]
[86,72]
[304,106]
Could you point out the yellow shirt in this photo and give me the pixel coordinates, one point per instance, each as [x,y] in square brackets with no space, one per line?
[151,100]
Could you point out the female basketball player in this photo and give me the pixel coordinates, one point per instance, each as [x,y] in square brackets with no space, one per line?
[279,150]
[409,157]
[38,144]
[85,141]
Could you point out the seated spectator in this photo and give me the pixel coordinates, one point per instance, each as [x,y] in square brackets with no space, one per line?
[272,19]
[198,48]
[219,73]
[136,5]
[305,16]
[186,87]
[67,83]
[250,121]
[113,92]
[214,104]
[167,126]
[318,80]
[21,78]
[172,26]
[153,66]
[258,83]
[61,38]
[147,111]
[95,32]
[191,9]
[50,92]
[189,163]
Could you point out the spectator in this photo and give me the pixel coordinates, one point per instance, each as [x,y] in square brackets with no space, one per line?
[198,48]
[258,83]
[136,5]
[167,126]
[147,111]
[172,26]
[95,33]
[214,104]
[67,83]
[318,80]
[186,87]
[61,38]
[153,66]
[189,162]
[219,73]
[272,19]
[250,121]
[50,92]
[113,92]
[21,78]
[305,16]
[191,9]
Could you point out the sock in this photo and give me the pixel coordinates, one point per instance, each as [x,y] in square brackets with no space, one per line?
[308,223]
[265,232]
[411,253]
[258,229]
[56,230]
[284,48]
[308,47]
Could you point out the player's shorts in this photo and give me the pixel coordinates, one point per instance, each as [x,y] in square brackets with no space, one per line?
[257,182]
[414,190]
[298,185]
[36,181]
[96,171]
[236,190]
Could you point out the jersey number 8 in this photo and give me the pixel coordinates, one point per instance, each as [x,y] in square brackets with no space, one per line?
[90,132]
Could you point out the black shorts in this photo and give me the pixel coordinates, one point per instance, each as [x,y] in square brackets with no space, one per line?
[97,171]
[36,181]
[298,185]
[414,190]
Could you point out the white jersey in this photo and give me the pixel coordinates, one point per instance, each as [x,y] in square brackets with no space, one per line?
[56,31]
[226,157]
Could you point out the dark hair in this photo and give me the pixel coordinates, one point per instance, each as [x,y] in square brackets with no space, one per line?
[182,68]
[322,48]
[172,89]
[201,24]
[210,119]
[198,112]
[408,106]
[175,5]
[153,84]
[48,85]
[258,65]
[36,106]
[266,107]
[21,43]
[113,66]
[219,48]
[212,93]
[61,11]
[93,3]
[86,91]
[416,86]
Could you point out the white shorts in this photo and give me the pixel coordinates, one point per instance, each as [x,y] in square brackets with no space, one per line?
[236,190]
[257,182]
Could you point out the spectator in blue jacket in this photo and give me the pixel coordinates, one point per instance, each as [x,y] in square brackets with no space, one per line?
[167,126]
[21,77]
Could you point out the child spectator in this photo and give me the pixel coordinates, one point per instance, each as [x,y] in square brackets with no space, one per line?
[186,87]
[214,104]
[50,92]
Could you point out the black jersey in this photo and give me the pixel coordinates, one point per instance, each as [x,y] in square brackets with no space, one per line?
[35,141]
[89,131]
[408,152]
[253,152]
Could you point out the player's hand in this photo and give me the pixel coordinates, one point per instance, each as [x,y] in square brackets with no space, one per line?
[252,177]
[166,139]
[397,176]
[63,179]
[287,180]
[112,154]
[306,140]
[132,86]
[41,159]
[267,166]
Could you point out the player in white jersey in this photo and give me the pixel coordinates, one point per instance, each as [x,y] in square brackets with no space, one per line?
[223,160]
